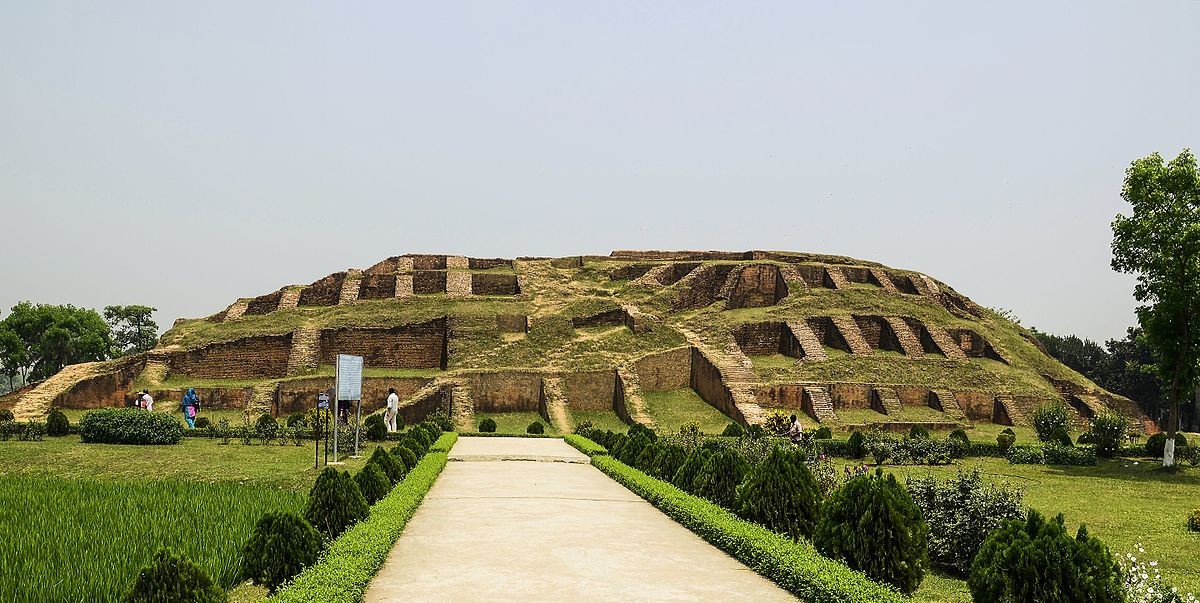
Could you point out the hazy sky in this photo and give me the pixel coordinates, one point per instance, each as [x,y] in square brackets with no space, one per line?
[181,155]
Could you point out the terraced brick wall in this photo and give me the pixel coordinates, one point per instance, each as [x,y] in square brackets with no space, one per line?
[422,345]
[491,283]
[377,286]
[630,271]
[665,371]
[827,333]
[300,395]
[703,286]
[428,262]
[506,392]
[428,282]
[211,398]
[101,391]
[766,338]
[757,286]
[591,390]
[878,333]
[325,292]
[851,395]
[706,380]
[247,358]
[264,304]
[488,263]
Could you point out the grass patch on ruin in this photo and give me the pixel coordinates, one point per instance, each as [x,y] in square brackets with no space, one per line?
[600,419]
[671,409]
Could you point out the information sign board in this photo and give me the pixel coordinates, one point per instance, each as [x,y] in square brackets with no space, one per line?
[349,377]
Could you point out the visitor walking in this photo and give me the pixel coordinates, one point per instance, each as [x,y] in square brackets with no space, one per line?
[190,405]
[796,431]
[393,405]
[146,402]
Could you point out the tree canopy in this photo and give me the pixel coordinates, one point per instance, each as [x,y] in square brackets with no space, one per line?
[36,341]
[1160,243]
[1122,366]
[133,328]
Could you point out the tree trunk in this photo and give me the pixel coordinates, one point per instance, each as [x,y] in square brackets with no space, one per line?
[1172,420]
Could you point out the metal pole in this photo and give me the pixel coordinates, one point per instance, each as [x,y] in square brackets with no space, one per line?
[357,422]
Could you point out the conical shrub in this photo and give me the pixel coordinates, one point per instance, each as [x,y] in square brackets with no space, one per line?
[781,494]
[670,458]
[373,484]
[392,469]
[176,579]
[720,476]
[281,546]
[335,503]
[405,455]
[685,477]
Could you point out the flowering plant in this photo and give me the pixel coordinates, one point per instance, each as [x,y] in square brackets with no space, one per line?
[1144,583]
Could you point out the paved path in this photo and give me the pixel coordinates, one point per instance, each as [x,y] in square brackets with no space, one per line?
[550,529]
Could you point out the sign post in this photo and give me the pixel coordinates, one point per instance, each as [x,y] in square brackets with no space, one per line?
[322,404]
[348,386]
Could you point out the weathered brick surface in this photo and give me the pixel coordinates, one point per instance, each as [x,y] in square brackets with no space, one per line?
[703,286]
[428,282]
[904,283]
[404,285]
[627,399]
[421,345]
[908,340]
[756,286]
[766,338]
[827,333]
[881,278]
[506,392]
[101,390]
[512,323]
[300,395]
[978,406]
[682,256]
[488,263]
[247,358]
[945,401]
[666,371]
[851,395]
[631,271]
[884,400]
[290,297]
[569,262]
[457,262]
[590,390]
[494,283]
[405,264]
[377,286]
[974,345]
[878,333]
[943,342]
[305,352]
[325,292]
[264,304]
[427,262]
[809,343]
[211,398]
[236,310]
[458,283]
[388,266]
[349,292]
[608,318]
[814,275]
[818,404]
[706,380]
[851,334]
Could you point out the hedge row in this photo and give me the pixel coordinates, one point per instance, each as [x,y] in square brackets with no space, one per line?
[795,566]
[489,434]
[584,445]
[351,562]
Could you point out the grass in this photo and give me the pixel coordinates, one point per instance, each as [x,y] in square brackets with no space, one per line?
[85,540]
[513,422]
[600,419]
[671,409]
[1151,509]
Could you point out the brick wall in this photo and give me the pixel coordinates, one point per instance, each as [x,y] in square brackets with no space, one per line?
[609,318]
[904,283]
[427,262]
[756,286]
[622,254]
[427,282]
[789,396]
[630,271]
[494,283]
[928,345]
[512,323]
[421,345]
[703,286]
[264,304]
[506,392]
[851,395]
[247,358]
[377,286]
[325,292]
[666,371]
[878,333]
[591,390]
[388,266]
[488,263]
[974,345]
[977,406]
[109,389]
[706,381]
[300,395]
[827,333]
[211,398]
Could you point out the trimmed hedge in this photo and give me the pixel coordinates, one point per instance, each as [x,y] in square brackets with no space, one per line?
[795,566]
[129,426]
[351,561]
[484,434]
[584,445]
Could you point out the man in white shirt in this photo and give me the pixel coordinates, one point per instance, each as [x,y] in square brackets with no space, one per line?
[147,401]
[393,404]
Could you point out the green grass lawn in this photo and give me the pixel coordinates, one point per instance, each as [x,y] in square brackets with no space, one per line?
[673,408]
[1123,503]
[513,422]
[601,419]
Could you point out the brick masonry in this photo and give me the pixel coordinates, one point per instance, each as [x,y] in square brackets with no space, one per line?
[882,279]
[247,358]
[810,344]
[909,342]
[591,390]
[324,292]
[703,286]
[429,282]
[494,283]
[305,352]
[236,310]
[506,392]
[827,333]
[457,262]
[300,395]
[458,283]
[421,345]
[404,285]
[885,400]
[836,277]
[349,291]
[852,335]
[512,323]
[666,371]
[264,304]
[608,318]
[290,297]
[944,343]
[878,333]
[377,286]
[756,286]
[974,345]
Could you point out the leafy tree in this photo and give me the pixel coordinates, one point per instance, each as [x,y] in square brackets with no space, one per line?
[14,356]
[1123,366]
[133,328]
[55,336]
[1160,243]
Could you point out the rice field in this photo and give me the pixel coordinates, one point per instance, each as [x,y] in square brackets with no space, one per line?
[83,540]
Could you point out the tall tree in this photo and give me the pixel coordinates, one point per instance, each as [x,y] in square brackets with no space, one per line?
[55,336]
[1122,366]
[14,356]
[1160,243]
[133,328]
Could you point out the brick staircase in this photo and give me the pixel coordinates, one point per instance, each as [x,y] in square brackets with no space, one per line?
[290,298]
[1015,414]
[458,283]
[813,350]
[822,403]
[853,335]
[404,284]
[653,277]
[792,277]
[944,342]
[927,287]
[349,292]
[635,404]
[948,404]
[463,404]
[837,277]
[262,401]
[157,366]
[305,352]
[908,340]
[885,281]
[35,403]
[237,309]
[1092,403]
[457,262]
[736,374]
[889,401]
[404,264]
[556,405]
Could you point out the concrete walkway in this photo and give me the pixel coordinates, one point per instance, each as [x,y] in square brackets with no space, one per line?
[550,528]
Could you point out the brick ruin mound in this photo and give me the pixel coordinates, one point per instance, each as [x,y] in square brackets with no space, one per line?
[841,340]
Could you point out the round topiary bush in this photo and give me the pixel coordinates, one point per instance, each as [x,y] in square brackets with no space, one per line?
[720,476]
[1157,442]
[57,423]
[487,426]
[918,432]
[281,546]
[1036,560]
[391,468]
[823,433]
[405,455]
[961,435]
[1005,441]
[335,503]
[171,578]
[297,419]
[781,494]
[372,482]
[873,525]
[536,427]
[376,429]
[856,446]
[733,430]
[265,423]
[129,426]
[685,477]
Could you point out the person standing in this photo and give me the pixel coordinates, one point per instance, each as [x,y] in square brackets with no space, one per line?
[190,407]
[393,406]
[796,431]
[147,402]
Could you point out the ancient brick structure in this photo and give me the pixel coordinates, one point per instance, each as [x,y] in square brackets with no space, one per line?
[264,304]
[494,283]
[404,285]
[974,345]
[349,292]
[608,318]
[665,371]
[631,271]
[512,323]
[325,292]
[422,345]
[703,286]
[377,286]
[591,390]
[878,333]
[300,395]
[458,283]
[247,358]
[428,282]
[766,338]
[427,262]
[757,285]
[506,392]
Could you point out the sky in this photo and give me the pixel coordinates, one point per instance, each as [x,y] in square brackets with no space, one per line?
[182,155]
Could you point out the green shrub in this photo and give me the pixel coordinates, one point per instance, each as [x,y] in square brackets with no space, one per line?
[645,459]
[961,512]
[432,429]
[1061,437]
[781,495]
[856,446]
[584,444]
[960,434]
[488,425]
[1036,560]
[756,432]
[202,423]
[630,448]
[720,476]
[129,426]
[373,482]
[6,415]
[376,428]
[388,464]
[57,424]
[265,423]
[873,525]
[733,430]
[685,478]
[1050,419]
[405,455]
[281,546]
[1005,441]
[918,432]
[1052,454]
[823,433]
[174,579]
[442,421]
[335,503]
[1193,522]
[1009,431]
[670,458]
[536,427]
[417,441]
[1157,442]
[297,419]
